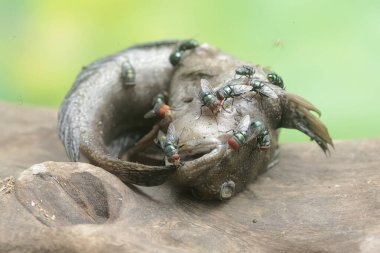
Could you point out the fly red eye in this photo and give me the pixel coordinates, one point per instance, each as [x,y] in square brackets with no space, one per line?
[163,109]
[176,157]
[219,102]
[233,144]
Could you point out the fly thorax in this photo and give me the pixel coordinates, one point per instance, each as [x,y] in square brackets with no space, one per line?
[240,137]
[256,84]
[159,99]
[170,149]
[227,91]
[240,71]
[257,124]
[157,106]
[210,100]
[202,95]
[264,131]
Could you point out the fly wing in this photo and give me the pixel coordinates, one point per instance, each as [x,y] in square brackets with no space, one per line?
[237,81]
[171,135]
[160,140]
[250,68]
[268,92]
[206,87]
[240,89]
[296,114]
[150,114]
[244,123]
[256,130]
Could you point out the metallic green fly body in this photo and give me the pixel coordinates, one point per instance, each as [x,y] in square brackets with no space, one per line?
[160,106]
[275,79]
[262,88]
[175,57]
[240,135]
[231,91]
[208,98]
[128,74]
[188,44]
[245,70]
[169,145]
[261,132]
[178,53]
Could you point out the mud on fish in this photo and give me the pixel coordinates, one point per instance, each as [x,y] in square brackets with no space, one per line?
[102,118]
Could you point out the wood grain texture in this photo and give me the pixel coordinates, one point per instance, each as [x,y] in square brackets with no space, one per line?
[307,203]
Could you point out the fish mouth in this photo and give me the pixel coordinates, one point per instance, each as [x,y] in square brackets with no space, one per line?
[198,156]
[195,149]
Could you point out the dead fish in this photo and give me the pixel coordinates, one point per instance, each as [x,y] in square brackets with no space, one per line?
[101,120]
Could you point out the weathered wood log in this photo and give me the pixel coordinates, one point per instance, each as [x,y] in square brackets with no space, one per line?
[307,203]
[28,135]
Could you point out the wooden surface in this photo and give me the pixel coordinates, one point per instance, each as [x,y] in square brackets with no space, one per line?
[307,203]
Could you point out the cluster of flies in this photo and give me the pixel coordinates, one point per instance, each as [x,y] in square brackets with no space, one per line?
[214,101]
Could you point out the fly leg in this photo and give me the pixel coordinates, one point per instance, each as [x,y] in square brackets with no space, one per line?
[200,115]
[224,108]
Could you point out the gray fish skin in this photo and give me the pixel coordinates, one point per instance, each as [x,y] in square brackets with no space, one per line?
[99,108]
[210,168]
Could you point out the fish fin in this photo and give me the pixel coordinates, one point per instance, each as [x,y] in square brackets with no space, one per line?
[297,115]
[69,130]
[293,98]
[150,176]
[135,173]
[69,114]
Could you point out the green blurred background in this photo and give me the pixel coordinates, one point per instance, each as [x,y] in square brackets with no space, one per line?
[326,51]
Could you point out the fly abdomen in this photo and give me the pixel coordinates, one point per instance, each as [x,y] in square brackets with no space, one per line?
[188,44]
[245,70]
[275,79]
[264,140]
[210,101]
[256,84]
[224,92]
[177,54]
[128,74]
[175,57]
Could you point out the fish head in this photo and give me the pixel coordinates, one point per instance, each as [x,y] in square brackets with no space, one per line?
[210,167]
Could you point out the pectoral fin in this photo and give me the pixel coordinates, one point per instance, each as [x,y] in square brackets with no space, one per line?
[297,115]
